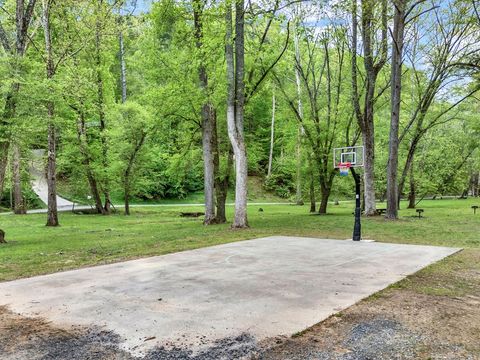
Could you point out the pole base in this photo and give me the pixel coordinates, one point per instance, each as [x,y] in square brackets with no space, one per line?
[362,240]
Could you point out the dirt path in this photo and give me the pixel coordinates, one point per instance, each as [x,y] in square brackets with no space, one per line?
[39,181]
[39,186]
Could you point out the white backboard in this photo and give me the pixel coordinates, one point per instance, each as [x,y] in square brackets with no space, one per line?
[355,155]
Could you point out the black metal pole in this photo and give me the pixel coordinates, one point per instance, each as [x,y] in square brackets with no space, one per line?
[357,228]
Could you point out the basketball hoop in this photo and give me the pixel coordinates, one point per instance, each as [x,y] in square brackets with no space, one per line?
[344,167]
[354,156]
[344,159]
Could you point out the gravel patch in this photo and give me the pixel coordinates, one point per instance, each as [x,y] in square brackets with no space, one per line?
[239,347]
[371,339]
[375,339]
[105,345]
[381,339]
[23,338]
[91,344]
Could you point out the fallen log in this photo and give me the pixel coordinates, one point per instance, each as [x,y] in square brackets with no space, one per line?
[191,214]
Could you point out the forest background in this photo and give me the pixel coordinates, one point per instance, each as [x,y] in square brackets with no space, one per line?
[199,96]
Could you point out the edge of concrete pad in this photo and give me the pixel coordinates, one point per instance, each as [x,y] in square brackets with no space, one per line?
[442,253]
[231,243]
[456,251]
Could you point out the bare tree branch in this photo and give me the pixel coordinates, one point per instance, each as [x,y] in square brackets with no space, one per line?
[269,69]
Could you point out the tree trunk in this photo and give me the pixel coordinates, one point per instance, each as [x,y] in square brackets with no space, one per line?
[123,68]
[92,181]
[101,108]
[407,166]
[324,200]
[240,217]
[221,217]
[396,96]
[123,84]
[313,205]
[9,113]
[222,183]
[298,151]
[18,202]
[127,195]
[298,147]
[208,123]
[403,179]
[2,237]
[475,183]
[369,176]
[52,212]
[4,146]
[235,109]
[126,183]
[412,194]
[128,171]
[326,181]
[476,187]
[208,164]
[139,144]
[272,138]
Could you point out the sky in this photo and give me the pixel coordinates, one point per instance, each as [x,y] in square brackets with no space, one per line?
[142,6]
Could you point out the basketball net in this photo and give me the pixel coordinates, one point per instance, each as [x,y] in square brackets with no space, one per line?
[344,167]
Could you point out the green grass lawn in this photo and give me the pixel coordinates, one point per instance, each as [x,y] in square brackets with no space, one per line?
[84,240]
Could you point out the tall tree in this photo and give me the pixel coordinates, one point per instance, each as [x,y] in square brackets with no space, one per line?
[235,106]
[447,58]
[123,67]
[209,127]
[396,96]
[132,128]
[99,28]
[374,58]
[272,137]
[52,212]
[322,73]
[87,89]
[300,131]
[18,201]
[23,17]
[87,158]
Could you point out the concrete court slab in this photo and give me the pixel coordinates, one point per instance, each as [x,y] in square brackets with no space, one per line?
[264,287]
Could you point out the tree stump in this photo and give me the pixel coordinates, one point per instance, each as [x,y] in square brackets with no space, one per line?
[2,237]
